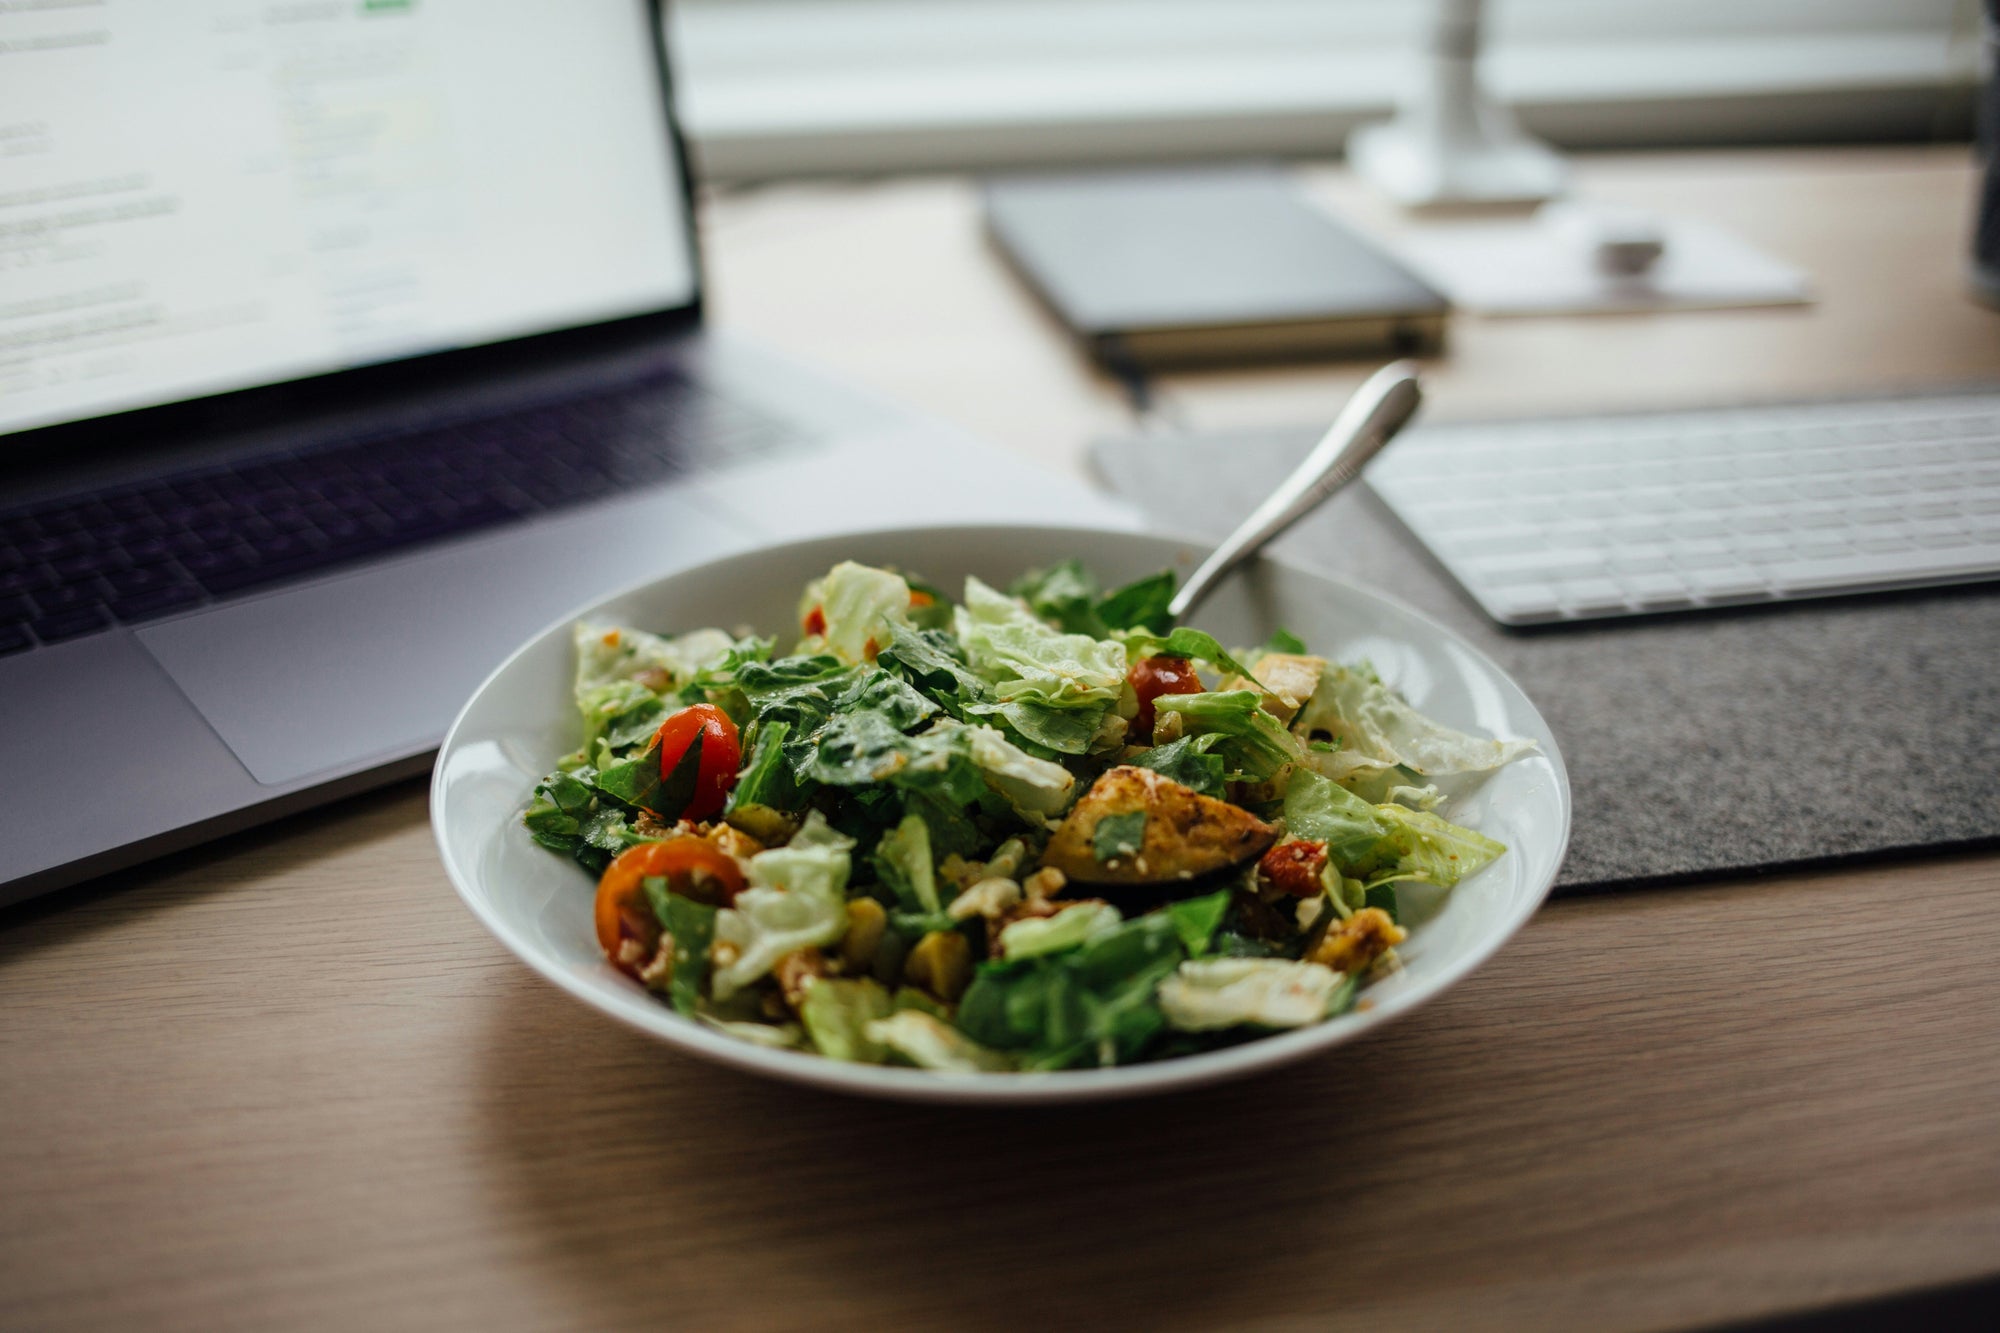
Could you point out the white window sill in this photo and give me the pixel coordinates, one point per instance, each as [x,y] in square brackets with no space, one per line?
[879,110]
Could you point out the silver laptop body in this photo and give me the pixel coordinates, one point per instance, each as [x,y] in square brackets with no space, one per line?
[417,345]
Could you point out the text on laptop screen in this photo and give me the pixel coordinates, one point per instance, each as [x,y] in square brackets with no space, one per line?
[213,194]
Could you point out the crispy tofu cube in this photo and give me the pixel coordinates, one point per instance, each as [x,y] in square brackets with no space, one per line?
[1162,832]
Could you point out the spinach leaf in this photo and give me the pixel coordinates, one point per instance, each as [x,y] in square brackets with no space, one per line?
[1382,896]
[1195,920]
[1118,835]
[1064,594]
[1188,762]
[692,925]
[1141,604]
[932,660]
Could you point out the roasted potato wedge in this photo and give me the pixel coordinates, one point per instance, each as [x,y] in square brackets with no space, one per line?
[1182,835]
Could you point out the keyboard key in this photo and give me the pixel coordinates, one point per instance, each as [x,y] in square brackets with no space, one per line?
[1587,596]
[145,605]
[1876,570]
[1527,602]
[1729,585]
[1658,591]
[70,624]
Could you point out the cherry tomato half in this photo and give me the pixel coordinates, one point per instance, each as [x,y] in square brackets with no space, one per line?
[721,757]
[1293,867]
[1152,677]
[691,867]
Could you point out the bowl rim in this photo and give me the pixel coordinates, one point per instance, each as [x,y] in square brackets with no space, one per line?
[921,1085]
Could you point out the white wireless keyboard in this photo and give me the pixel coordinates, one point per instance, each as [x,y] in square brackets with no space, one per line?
[1578,518]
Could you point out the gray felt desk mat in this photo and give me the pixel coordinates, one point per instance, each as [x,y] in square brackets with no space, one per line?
[1697,744]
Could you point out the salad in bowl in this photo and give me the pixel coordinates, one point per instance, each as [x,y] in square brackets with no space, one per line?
[1005,830]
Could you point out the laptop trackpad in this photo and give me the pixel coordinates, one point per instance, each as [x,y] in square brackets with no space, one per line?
[373,666]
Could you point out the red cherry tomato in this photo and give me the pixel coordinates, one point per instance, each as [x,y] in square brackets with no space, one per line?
[1152,677]
[691,867]
[721,756]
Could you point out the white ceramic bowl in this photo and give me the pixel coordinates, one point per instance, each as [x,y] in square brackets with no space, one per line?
[539,904]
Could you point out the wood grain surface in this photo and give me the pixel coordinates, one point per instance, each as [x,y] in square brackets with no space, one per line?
[287,1082]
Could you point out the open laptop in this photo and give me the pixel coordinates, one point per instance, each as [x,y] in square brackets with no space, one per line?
[342,347]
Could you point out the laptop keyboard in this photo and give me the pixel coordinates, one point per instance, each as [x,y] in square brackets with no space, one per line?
[134,552]
[1614,516]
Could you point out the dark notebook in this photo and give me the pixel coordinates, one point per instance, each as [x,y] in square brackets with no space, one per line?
[1186,266]
[1699,744]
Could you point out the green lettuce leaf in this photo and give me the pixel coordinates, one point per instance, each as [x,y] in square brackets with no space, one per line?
[861,605]
[837,1012]
[608,653]
[1254,744]
[1379,844]
[1211,993]
[1382,743]
[1185,642]
[1071,928]
[796,899]
[928,1042]
[1036,788]
[903,862]
[1022,658]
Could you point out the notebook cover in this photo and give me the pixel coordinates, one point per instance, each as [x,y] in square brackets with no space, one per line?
[1703,744]
[1205,263]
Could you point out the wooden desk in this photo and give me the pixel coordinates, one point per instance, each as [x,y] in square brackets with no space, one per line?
[287,1082]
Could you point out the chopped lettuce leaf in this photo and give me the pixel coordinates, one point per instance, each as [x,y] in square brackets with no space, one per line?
[1382,743]
[796,900]
[860,605]
[1022,658]
[771,1036]
[1210,993]
[903,861]
[928,1042]
[1322,810]
[606,653]
[1036,788]
[1254,745]
[1381,843]
[1185,642]
[1071,928]
[1063,730]
[1432,849]
[837,1012]
[1283,640]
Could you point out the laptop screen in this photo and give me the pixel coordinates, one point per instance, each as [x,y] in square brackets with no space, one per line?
[210,195]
